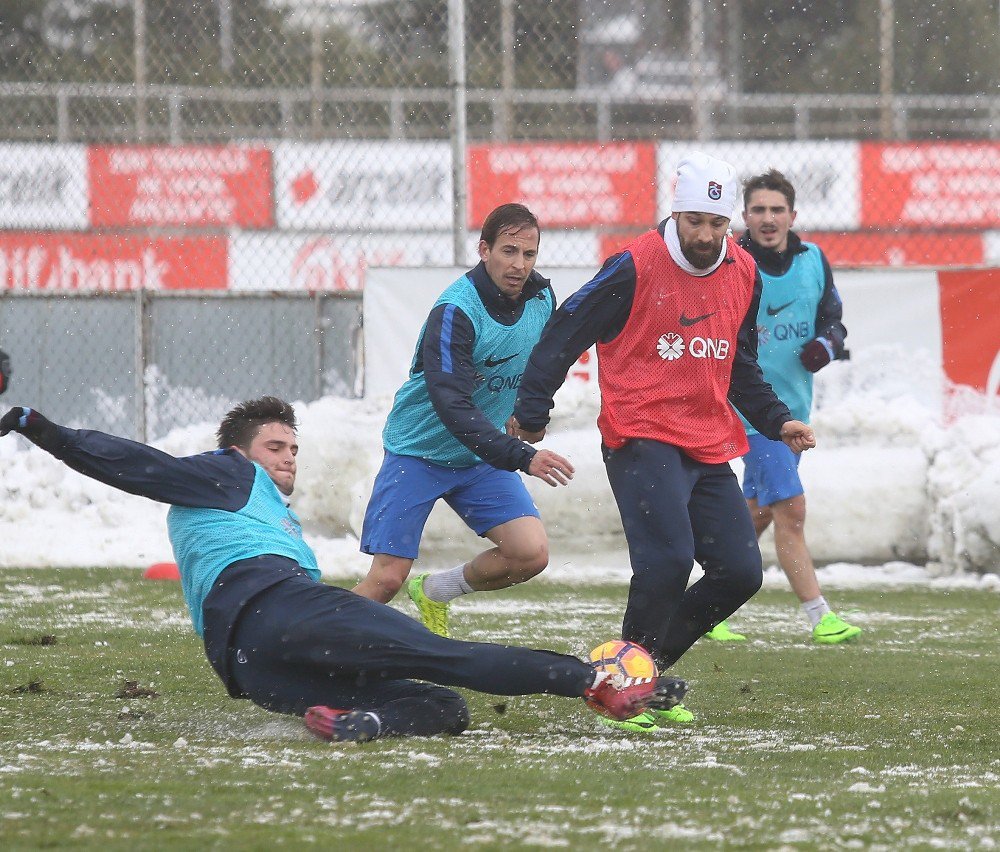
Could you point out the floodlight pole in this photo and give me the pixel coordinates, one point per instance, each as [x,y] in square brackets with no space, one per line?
[456,73]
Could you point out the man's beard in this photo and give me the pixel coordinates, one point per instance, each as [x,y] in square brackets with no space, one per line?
[701,261]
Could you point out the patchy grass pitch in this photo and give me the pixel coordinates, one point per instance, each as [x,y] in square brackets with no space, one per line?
[114,733]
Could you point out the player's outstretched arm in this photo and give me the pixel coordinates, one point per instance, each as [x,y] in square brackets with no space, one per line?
[220,480]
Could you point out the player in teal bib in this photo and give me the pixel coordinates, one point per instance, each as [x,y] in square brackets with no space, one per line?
[446,436]
[206,541]
[355,670]
[799,331]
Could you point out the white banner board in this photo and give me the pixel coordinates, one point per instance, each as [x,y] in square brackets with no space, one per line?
[881,308]
[396,304]
[398,186]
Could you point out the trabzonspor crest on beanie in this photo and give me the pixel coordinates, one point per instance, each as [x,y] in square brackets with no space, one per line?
[705,185]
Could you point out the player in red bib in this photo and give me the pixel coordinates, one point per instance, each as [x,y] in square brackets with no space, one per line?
[674,320]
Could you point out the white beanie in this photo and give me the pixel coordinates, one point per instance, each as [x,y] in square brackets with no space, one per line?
[705,185]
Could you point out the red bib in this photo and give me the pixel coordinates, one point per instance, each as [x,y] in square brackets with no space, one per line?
[666,375]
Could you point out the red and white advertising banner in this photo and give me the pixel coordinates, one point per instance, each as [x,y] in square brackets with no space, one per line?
[43,186]
[341,261]
[826,176]
[398,186]
[195,186]
[909,249]
[566,185]
[871,249]
[970,327]
[326,262]
[930,185]
[103,262]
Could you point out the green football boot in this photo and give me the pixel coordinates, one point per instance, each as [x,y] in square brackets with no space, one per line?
[434,614]
[832,630]
[644,723]
[676,715]
[722,633]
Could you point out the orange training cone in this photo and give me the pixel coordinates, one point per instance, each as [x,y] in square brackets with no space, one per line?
[162,571]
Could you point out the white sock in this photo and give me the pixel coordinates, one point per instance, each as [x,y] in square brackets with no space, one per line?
[447,585]
[816,609]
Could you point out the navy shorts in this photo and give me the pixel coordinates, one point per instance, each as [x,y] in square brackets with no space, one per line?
[771,471]
[406,489]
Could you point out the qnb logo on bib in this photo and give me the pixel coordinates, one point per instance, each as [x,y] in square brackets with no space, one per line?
[671,346]
[502,383]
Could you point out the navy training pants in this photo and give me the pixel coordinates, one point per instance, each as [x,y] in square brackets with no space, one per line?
[301,643]
[675,510]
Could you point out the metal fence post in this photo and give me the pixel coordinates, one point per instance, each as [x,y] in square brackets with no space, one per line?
[456,73]
[321,326]
[141,326]
[887,41]
[696,64]
[139,45]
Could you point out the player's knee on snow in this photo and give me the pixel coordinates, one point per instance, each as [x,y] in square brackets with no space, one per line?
[456,714]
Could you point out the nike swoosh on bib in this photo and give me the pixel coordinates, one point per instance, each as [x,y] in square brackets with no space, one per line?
[692,320]
[773,312]
[496,362]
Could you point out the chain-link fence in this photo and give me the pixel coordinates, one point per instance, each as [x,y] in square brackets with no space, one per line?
[140,364]
[255,146]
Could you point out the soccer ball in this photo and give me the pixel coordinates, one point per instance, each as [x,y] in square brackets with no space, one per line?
[626,662]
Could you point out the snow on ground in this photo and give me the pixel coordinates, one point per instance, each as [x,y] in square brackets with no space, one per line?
[892,484]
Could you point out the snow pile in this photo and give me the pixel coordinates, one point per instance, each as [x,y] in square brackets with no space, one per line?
[891,480]
[964,490]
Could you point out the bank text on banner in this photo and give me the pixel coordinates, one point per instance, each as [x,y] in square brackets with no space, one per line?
[109,262]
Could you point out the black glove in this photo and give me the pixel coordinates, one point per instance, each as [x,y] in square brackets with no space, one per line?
[4,371]
[24,420]
[816,354]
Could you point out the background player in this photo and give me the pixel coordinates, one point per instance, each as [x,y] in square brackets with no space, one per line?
[799,332]
[445,438]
